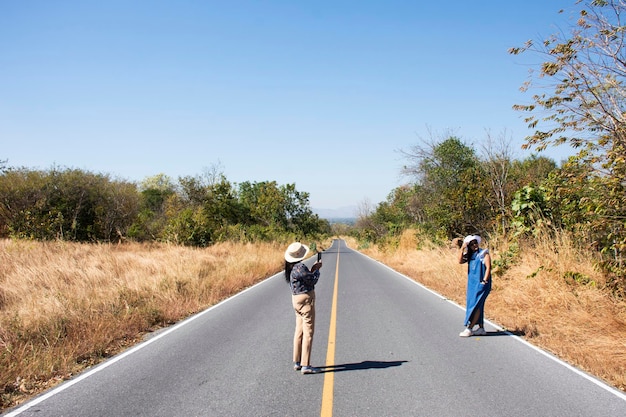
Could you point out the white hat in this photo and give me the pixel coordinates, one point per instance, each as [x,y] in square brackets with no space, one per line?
[469,238]
[296,252]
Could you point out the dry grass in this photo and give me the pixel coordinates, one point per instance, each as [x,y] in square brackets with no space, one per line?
[552,296]
[65,306]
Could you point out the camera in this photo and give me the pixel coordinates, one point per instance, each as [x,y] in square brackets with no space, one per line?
[466,255]
[319,256]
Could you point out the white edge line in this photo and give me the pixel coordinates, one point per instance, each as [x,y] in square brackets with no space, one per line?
[124,354]
[591,378]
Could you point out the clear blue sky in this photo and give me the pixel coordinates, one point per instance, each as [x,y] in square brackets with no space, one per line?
[322,94]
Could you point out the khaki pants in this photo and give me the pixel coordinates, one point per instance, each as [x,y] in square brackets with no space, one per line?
[304,306]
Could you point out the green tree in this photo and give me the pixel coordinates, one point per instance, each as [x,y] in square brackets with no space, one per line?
[266,203]
[152,219]
[117,210]
[221,206]
[531,211]
[452,186]
[280,209]
[530,172]
[67,204]
[300,217]
[202,211]
[391,217]
[187,225]
[22,204]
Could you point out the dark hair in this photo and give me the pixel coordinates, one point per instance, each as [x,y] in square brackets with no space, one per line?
[288,268]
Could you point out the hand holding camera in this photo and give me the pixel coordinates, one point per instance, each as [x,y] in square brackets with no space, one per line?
[317,265]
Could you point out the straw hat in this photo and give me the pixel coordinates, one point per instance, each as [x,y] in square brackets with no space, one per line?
[296,252]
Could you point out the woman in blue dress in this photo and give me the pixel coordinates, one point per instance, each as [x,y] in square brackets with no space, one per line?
[478,284]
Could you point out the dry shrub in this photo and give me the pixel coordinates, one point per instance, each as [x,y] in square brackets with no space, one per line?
[552,295]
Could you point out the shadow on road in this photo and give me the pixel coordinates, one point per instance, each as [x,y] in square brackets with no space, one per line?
[360,365]
[507,333]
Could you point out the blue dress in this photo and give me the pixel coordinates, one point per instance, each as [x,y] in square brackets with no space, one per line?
[476,292]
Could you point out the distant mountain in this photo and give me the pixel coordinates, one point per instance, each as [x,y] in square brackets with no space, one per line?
[348,212]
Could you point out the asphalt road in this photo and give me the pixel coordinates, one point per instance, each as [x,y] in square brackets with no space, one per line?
[387,346]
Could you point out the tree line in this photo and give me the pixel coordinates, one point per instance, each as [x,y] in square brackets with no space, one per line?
[454,192]
[81,206]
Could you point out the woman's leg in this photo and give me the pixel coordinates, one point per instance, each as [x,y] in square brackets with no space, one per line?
[297,337]
[475,318]
[297,340]
[304,304]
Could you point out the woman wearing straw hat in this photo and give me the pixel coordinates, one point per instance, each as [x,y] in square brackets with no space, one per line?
[478,284]
[302,282]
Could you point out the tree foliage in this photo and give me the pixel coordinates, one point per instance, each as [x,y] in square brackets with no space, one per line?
[450,185]
[67,204]
[583,73]
[80,206]
[456,191]
[583,104]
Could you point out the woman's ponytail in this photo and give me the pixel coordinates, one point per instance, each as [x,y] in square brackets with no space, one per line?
[288,268]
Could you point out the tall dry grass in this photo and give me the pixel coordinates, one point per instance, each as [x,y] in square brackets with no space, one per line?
[552,296]
[65,306]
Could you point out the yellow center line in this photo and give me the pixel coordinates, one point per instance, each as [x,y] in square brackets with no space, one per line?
[329,376]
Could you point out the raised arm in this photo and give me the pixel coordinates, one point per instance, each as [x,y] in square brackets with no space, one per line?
[463,248]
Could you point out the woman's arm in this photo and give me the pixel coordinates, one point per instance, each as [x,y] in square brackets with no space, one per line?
[463,248]
[487,262]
